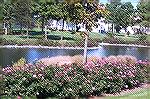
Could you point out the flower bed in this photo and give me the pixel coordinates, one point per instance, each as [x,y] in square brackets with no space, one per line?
[99,75]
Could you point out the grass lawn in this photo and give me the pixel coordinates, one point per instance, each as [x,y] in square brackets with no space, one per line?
[55,35]
[67,35]
[142,94]
[148,38]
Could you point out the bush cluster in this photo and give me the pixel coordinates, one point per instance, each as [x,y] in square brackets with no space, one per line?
[97,76]
[142,37]
[145,67]
[114,40]
[92,42]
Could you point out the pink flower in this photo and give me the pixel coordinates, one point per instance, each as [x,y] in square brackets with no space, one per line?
[93,88]
[34,76]
[89,65]
[75,72]
[40,75]
[60,74]
[121,72]
[64,63]
[7,70]
[42,68]
[18,97]
[87,81]
[109,77]
[126,86]
[123,76]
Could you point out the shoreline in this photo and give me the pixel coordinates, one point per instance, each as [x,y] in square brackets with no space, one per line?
[125,45]
[80,48]
[30,46]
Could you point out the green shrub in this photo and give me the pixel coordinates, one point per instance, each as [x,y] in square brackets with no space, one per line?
[1,40]
[142,37]
[110,35]
[1,83]
[114,40]
[145,67]
[102,75]
[20,62]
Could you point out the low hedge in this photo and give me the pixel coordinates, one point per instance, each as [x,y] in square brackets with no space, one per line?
[79,42]
[100,75]
[55,43]
[114,40]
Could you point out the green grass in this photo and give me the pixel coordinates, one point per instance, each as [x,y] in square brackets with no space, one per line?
[68,34]
[130,38]
[56,35]
[142,94]
[7,97]
[148,38]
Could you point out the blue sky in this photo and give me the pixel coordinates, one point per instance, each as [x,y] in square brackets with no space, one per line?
[134,2]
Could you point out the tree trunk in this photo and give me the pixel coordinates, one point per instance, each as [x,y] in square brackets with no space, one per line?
[85,48]
[6,31]
[61,33]
[57,25]
[27,32]
[108,27]
[21,26]
[63,24]
[61,37]
[112,28]
[46,32]
[5,28]
[43,21]
[10,28]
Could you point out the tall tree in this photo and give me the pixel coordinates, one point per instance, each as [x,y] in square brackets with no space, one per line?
[89,16]
[144,12]
[8,16]
[85,12]
[120,13]
[1,10]
[7,7]
[45,10]
[22,13]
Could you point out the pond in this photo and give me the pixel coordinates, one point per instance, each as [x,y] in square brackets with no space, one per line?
[10,55]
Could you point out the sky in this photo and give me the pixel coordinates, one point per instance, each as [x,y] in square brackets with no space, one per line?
[134,2]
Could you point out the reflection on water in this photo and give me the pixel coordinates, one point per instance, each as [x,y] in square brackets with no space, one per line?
[9,55]
[139,53]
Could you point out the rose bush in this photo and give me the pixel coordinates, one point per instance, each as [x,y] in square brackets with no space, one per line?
[97,76]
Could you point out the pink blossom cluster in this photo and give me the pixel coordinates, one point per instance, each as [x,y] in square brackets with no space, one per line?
[145,62]
[37,70]
[126,66]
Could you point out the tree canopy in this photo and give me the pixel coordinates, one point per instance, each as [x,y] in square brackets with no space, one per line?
[120,13]
[144,12]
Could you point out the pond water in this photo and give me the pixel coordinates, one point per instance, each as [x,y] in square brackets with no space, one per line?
[10,55]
